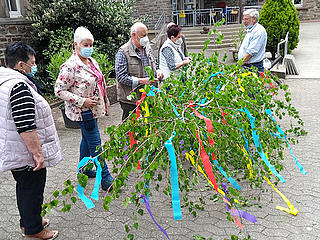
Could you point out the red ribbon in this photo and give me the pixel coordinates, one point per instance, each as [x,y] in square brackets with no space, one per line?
[262,77]
[207,121]
[223,114]
[206,161]
[133,142]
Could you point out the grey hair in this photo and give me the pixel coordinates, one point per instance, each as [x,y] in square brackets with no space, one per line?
[81,34]
[252,13]
[135,27]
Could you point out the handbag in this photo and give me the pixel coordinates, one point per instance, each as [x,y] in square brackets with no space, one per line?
[87,118]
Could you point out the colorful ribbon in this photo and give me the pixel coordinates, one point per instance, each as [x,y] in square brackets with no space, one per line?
[174,179]
[258,145]
[95,193]
[208,168]
[146,203]
[245,215]
[282,135]
[291,208]
[174,109]
[132,142]
[189,157]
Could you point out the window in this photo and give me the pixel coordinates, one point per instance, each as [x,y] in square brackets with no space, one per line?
[14,8]
[298,3]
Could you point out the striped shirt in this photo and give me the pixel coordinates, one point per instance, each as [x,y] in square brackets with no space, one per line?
[22,107]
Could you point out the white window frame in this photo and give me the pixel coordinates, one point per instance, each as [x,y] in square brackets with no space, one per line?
[298,5]
[17,13]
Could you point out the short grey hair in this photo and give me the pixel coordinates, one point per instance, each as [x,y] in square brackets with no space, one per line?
[252,13]
[135,27]
[81,34]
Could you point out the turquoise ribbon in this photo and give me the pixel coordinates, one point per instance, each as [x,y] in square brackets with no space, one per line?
[282,135]
[258,145]
[174,109]
[246,146]
[213,75]
[231,180]
[95,193]
[177,215]
[218,88]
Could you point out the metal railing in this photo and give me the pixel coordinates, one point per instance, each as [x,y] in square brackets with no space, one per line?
[205,17]
[160,24]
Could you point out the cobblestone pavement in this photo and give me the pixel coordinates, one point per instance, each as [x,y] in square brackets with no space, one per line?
[302,190]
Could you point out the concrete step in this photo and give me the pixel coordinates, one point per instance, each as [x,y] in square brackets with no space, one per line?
[191,43]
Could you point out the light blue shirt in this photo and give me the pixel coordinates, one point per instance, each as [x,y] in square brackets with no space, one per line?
[254,43]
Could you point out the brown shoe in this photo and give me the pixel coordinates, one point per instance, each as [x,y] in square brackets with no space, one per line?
[45,223]
[45,234]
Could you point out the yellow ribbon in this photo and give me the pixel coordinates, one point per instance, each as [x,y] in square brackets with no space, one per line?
[243,75]
[291,208]
[189,157]
[249,162]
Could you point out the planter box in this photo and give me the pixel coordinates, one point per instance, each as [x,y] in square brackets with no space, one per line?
[67,122]
[112,93]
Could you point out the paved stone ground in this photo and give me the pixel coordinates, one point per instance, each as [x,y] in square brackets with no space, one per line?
[302,191]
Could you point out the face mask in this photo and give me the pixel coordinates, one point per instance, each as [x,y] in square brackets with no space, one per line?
[250,26]
[179,41]
[144,41]
[34,69]
[86,51]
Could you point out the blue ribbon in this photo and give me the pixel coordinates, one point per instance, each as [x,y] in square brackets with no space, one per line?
[218,88]
[153,90]
[95,193]
[282,135]
[231,180]
[174,109]
[246,146]
[258,145]
[213,75]
[177,215]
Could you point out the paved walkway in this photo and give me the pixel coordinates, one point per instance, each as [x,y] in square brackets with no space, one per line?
[302,191]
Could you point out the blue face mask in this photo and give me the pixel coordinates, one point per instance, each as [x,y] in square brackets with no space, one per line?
[86,52]
[250,26]
[34,69]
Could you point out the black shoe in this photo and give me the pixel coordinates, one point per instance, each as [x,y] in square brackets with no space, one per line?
[90,173]
[106,183]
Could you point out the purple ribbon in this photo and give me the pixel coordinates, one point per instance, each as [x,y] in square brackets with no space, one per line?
[245,215]
[146,203]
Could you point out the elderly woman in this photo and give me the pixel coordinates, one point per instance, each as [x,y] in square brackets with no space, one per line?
[82,86]
[171,55]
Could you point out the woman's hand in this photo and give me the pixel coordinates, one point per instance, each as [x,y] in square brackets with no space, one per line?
[90,102]
[186,61]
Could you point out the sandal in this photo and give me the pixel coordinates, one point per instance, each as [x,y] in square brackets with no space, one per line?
[45,234]
[45,223]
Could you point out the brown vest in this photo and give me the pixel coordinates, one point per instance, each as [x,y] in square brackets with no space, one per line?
[135,68]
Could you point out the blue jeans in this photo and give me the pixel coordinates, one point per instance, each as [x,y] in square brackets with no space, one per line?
[90,140]
[258,65]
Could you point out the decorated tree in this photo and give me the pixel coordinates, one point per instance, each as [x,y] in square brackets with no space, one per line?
[278,18]
[218,125]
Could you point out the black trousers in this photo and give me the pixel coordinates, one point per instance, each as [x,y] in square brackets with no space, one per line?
[29,191]
[126,108]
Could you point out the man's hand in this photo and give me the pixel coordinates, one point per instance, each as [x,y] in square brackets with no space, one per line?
[145,81]
[90,102]
[160,75]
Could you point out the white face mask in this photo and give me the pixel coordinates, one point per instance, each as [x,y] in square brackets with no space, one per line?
[179,41]
[144,41]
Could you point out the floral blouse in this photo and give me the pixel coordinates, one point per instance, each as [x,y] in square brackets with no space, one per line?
[75,83]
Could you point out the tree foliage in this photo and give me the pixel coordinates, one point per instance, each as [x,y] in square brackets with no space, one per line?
[278,18]
[223,94]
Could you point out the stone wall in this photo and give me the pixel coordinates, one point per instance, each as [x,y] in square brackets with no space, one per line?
[12,30]
[310,10]
[152,9]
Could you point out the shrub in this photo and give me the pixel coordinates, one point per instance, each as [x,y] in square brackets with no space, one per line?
[54,21]
[279,17]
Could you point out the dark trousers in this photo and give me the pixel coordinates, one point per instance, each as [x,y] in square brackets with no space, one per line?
[29,191]
[126,108]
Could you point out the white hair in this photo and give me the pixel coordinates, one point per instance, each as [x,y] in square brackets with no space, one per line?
[81,34]
[170,24]
[135,27]
[252,13]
